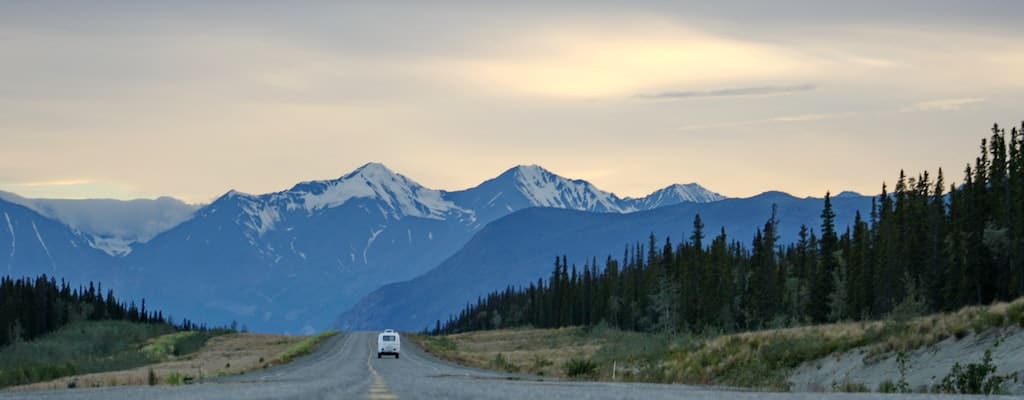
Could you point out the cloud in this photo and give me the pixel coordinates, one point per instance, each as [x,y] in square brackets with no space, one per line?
[944,104]
[779,119]
[808,117]
[729,92]
[66,182]
[584,59]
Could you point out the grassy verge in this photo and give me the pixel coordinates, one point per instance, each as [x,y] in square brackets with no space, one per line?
[761,360]
[186,358]
[93,346]
[304,347]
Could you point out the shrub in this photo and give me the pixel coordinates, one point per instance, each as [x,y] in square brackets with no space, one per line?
[1015,313]
[887,386]
[904,365]
[985,320]
[503,364]
[539,363]
[174,378]
[975,378]
[578,368]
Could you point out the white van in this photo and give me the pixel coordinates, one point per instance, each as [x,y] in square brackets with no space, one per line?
[389,343]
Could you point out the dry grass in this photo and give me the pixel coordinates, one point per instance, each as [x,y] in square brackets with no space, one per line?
[534,351]
[222,355]
[761,359]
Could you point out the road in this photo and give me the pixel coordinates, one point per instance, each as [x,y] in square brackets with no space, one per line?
[346,367]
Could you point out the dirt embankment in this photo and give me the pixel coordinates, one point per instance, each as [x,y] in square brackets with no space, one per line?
[925,367]
[222,355]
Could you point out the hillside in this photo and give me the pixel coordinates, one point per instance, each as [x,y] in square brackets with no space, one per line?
[287,261]
[520,248]
[852,356]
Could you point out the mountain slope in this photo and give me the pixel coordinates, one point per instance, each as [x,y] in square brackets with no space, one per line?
[520,248]
[286,261]
[527,186]
[293,260]
[112,224]
[32,244]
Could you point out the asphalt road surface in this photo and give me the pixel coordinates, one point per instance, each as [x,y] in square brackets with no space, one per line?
[346,367]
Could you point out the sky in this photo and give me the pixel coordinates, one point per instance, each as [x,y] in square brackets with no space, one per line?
[129,99]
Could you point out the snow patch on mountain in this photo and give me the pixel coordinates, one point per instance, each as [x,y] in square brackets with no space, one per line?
[262,217]
[14,243]
[114,246]
[43,244]
[369,242]
[109,221]
[402,196]
[674,194]
[545,189]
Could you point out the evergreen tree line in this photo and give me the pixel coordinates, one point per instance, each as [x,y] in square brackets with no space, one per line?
[32,307]
[924,247]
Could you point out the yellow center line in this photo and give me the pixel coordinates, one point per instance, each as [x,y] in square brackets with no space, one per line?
[379,389]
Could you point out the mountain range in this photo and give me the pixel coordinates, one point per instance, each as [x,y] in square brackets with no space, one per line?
[111,225]
[293,260]
[520,248]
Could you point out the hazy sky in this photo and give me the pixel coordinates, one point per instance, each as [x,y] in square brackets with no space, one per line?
[140,99]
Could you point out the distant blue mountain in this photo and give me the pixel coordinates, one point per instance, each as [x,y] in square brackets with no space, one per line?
[111,225]
[521,247]
[32,244]
[293,260]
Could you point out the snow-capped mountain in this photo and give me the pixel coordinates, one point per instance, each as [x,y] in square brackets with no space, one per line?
[111,225]
[672,195]
[401,196]
[517,250]
[292,260]
[285,261]
[32,244]
[533,186]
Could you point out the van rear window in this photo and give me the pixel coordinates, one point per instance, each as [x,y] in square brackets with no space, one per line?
[389,338]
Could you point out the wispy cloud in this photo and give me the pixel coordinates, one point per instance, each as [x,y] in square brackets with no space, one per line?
[779,119]
[944,104]
[66,182]
[809,117]
[728,92]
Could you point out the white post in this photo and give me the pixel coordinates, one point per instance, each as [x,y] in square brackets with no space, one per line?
[614,367]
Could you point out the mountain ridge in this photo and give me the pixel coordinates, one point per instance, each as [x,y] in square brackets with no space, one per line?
[293,260]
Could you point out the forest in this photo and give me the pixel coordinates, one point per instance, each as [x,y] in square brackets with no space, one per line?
[30,308]
[925,246]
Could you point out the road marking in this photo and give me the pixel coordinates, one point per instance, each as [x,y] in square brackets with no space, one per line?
[379,389]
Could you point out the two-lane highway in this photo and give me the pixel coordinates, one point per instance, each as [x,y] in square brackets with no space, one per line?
[346,367]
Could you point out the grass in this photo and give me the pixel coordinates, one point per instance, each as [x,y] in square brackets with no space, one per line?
[88,347]
[305,346]
[228,354]
[761,359]
[81,347]
[176,344]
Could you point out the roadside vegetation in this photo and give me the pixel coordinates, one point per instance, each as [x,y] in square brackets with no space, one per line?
[179,358]
[305,346]
[721,310]
[86,347]
[48,330]
[759,360]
